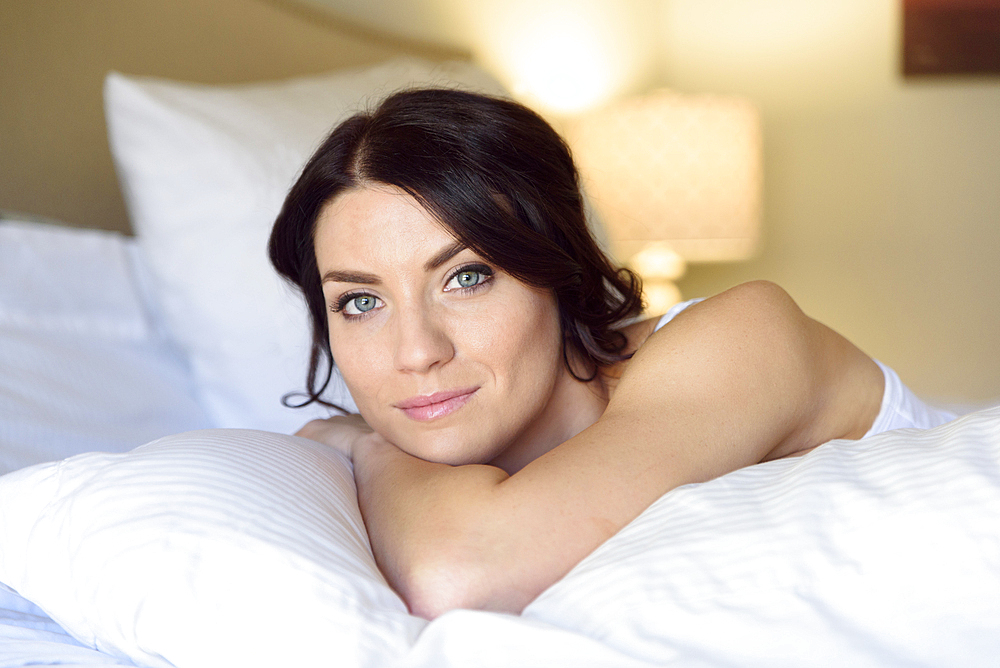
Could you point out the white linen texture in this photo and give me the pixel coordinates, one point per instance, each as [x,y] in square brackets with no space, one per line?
[237,547]
[204,170]
[210,548]
[84,363]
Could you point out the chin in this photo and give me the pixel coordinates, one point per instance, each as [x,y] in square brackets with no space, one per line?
[448,446]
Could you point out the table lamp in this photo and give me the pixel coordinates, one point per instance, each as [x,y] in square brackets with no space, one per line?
[675,179]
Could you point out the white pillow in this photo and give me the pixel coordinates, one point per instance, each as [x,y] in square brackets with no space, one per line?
[234,547]
[204,170]
[884,551]
[103,298]
[85,365]
[210,548]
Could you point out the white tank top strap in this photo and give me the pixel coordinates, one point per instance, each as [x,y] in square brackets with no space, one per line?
[674,310]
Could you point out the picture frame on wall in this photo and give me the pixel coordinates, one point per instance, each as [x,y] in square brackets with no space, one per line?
[951,37]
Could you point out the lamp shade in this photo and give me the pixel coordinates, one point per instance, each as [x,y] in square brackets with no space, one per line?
[674,168]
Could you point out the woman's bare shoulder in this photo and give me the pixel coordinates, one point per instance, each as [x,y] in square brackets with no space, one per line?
[752,346]
[714,312]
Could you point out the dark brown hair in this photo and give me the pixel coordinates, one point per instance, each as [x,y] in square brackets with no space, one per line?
[498,177]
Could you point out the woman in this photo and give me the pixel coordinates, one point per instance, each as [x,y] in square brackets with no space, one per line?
[509,423]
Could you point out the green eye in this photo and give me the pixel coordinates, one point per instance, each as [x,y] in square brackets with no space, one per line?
[468,278]
[364,303]
[356,305]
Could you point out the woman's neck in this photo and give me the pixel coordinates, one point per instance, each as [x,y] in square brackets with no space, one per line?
[573,406]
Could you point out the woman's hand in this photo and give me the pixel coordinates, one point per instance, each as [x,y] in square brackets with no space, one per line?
[341,432]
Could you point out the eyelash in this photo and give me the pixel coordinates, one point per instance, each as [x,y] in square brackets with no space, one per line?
[346,299]
[481,269]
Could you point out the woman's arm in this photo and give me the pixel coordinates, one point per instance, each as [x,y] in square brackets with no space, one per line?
[735,380]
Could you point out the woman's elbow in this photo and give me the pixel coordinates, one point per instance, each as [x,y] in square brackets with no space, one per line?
[435,586]
[432,590]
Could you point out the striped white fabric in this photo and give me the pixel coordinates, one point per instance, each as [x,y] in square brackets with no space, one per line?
[243,548]
[879,552]
[211,548]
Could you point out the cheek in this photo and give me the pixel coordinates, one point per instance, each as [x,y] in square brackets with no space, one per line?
[524,346]
[358,364]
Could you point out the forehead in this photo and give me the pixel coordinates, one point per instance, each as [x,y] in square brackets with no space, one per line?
[376,221]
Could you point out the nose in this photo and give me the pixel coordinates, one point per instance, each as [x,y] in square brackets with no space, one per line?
[421,342]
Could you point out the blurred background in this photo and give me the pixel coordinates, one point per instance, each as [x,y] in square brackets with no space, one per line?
[879,198]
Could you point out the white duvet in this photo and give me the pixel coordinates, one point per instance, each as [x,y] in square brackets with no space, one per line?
[246,548]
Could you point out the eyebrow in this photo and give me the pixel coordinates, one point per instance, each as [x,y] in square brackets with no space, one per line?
[335,276]
[443,256]
[446,254]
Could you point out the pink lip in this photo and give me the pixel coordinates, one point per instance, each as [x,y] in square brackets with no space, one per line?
[433,406]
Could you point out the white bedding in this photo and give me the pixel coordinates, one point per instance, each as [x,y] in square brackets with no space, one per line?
[246,548]
[85,362]
[223,547]
[229,547]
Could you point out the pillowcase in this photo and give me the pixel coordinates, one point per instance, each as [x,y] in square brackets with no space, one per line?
[204,170]
[102,299]
[85,365]
[236,547]
[210,548]
[883,551]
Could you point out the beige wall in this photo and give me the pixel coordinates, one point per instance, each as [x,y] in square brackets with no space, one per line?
[882,196]
[54,54]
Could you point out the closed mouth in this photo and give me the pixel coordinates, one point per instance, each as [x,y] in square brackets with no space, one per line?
[437,405]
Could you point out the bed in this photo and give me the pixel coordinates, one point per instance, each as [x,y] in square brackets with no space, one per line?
[154,511]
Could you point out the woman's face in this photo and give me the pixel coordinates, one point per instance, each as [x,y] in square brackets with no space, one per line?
[446,356]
